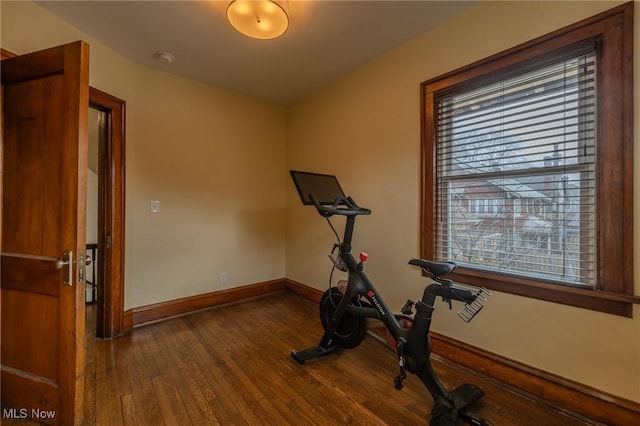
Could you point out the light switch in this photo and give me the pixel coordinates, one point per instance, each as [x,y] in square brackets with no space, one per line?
[155,207]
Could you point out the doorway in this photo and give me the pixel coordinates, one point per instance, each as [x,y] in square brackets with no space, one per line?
[111,215]
[52,378]
[109,262]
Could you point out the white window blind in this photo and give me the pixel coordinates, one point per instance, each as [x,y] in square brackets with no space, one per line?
[515,168]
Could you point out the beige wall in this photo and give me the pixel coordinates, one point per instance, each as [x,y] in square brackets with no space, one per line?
[365,128]
[200,150]
[214,159]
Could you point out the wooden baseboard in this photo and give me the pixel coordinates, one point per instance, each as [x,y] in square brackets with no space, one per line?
[127,321]
[305,291]
[560,393]
[164,310]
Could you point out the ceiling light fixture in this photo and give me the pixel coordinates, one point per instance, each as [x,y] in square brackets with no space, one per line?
[261,19]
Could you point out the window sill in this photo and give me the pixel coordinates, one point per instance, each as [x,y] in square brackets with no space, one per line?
[602,301]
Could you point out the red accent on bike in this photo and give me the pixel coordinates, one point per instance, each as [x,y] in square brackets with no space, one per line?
[363,257]
[370,293]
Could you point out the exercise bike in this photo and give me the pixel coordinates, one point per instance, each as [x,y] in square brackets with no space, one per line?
[343,311]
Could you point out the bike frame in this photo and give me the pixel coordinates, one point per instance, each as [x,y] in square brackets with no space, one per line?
[417,347]
[413,345]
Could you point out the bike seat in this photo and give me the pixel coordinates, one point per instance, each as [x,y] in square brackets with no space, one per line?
[434,267]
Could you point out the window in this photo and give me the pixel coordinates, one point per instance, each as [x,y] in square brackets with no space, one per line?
[521,141]
[529,187]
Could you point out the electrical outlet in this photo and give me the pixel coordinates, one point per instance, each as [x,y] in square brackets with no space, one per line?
[224,277]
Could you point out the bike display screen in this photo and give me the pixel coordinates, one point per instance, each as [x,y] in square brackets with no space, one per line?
[325,188]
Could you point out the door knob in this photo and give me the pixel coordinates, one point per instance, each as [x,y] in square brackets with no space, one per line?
[67,263]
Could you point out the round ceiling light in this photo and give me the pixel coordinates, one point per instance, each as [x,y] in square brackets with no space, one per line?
[260,19]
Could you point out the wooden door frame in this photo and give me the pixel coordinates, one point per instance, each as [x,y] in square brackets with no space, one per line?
[111,220]
[111,215]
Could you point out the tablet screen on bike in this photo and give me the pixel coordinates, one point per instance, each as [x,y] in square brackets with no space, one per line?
[325,188]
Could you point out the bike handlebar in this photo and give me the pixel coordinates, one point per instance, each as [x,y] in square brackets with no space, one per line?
[350,207]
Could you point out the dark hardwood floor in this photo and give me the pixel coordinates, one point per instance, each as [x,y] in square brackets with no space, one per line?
[231,366]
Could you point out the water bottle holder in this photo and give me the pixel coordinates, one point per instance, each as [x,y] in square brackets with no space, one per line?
[473,308]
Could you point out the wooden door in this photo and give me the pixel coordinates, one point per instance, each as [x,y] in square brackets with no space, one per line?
[44,145]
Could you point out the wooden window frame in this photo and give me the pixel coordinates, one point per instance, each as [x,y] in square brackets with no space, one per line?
[613,293]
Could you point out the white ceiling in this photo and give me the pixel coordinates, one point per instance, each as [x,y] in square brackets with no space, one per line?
[325,39]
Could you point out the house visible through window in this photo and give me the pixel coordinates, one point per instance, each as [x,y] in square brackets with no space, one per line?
[505,150]
[528,183]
